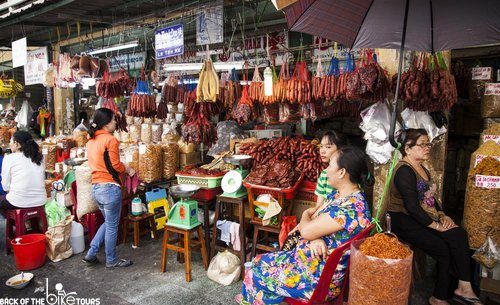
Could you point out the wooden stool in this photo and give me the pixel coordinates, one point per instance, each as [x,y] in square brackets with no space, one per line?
[221,200]
[136,220]
[257,227]
[187,243]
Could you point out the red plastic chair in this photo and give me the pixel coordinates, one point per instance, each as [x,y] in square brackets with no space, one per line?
[91,221]
[321,291]
[16,223]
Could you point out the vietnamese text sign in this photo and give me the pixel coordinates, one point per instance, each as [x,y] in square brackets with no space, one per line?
[19,52]
[480,158]
[37,62]
[127,61]
[491,137]
[489,182]
[481,73]
[210,26]
[492,89]
[169,41]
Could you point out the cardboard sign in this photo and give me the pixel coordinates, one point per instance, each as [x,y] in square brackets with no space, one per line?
[492,89]
[37,63]
[481,73]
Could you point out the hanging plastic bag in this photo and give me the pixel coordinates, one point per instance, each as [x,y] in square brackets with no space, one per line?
[289,222]
[24,115]
[224,268]
[55,212]
[488,255]
[421,119]
[58,240]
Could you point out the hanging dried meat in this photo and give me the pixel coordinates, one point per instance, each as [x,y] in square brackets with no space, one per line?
[208,85]
[299,86]
[462,75]
[281,86]
[169,90]
[121,122]
[255,91]
[319,82]
[111,86]
[374,83]
[244,110]
[142,102]
[198,128]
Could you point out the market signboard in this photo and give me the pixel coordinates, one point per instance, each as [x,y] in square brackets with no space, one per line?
[481,73]
[127,61]
[169,41]
[19,52]
[210,26]
[37,62]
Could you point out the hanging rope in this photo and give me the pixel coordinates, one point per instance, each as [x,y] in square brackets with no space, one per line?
[387,186]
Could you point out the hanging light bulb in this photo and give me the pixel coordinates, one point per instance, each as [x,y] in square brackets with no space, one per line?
[268,81]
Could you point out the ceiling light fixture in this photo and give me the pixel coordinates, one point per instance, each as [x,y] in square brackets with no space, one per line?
[129,45]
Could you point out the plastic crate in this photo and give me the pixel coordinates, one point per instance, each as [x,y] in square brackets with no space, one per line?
[266,134]
[204,182]
[207,194]
[306,195]
[308,185]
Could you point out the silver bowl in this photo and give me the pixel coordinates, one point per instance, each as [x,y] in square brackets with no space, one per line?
[184,190]
[239,160]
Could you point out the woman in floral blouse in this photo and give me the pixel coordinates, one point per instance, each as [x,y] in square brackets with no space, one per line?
[295,273]
[418,219]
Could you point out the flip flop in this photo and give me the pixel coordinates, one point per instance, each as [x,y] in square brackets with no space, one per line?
[121,263]
[466,300]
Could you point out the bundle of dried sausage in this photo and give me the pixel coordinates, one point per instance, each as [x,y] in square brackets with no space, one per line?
[198,129]
[244,110]
[255,91]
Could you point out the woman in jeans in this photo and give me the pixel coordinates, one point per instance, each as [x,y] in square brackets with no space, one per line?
[104,160]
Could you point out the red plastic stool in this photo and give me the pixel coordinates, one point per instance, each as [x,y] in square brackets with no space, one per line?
[17,219]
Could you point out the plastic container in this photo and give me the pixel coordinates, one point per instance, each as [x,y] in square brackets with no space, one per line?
[266,134]
[207,194]
[29,251]
[77,239]
[204,182]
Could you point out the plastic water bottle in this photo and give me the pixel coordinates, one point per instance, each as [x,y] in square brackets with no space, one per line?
[77,239]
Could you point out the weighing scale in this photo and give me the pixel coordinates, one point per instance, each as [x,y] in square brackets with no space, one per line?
[184,213]
[232,182]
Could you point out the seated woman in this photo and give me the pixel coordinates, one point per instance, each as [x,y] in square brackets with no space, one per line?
[23,174]
[331,141]
[295,273]
[418,219]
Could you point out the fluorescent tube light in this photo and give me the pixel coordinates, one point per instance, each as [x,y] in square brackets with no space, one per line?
[224,66]
[132,44]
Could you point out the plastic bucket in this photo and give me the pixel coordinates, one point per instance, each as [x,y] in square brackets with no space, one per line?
[29,251]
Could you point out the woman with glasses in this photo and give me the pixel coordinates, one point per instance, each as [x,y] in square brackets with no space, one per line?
[418,219]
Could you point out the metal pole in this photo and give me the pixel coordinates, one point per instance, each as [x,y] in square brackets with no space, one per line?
[400,68]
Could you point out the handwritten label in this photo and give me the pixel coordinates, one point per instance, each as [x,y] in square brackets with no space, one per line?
[491,137]
[492,89]
[129,158]
[45,151]
[481,73]
[480,158]
[142,149]
[489,182]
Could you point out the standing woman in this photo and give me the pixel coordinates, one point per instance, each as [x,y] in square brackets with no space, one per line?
[331,141]
[418,219]
[23,174]
[104,161]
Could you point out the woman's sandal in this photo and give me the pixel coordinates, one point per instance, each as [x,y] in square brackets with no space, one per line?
[467,300]
[91,260]
[121,263]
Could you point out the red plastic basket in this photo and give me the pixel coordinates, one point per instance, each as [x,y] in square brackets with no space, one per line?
[306,195]
[207,194]
[288,194]
[308,185]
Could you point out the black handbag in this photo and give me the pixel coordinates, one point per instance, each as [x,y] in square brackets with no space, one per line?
[291,241]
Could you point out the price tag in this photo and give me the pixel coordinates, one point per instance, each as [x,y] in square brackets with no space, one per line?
[129,158]
[481,73]
[142,149]
[79,151]
[489,182]
[45,151]
[480,158]
[156,127]
[491,137]
[492,89]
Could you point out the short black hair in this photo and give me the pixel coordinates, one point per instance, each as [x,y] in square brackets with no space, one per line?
[335,138]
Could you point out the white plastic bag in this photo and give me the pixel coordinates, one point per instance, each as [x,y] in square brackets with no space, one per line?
[421,119]
[224,268]
[24,115]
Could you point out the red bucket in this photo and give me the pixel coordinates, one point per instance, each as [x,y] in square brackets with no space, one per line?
[29,251]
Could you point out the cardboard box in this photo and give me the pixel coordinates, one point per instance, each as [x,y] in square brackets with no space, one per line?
[189,159]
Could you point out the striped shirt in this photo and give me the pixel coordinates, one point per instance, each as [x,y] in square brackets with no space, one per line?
[323,189]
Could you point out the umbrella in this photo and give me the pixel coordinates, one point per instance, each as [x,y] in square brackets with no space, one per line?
[420,25]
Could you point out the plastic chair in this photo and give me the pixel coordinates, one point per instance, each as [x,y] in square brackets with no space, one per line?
[17,218]
[321,291]
[91,221]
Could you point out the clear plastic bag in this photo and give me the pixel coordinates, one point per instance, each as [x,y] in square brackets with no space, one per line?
[375,281]
[488,255]
[421,119]
[224,268]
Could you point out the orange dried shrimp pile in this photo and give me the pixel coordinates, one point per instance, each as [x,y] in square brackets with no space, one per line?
[383,246]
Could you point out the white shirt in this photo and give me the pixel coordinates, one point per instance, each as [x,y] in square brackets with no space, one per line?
[24,181]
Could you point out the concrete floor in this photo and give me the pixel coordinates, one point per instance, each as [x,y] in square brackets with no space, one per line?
[142,283]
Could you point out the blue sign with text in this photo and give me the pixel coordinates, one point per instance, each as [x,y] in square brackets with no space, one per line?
[169,41]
